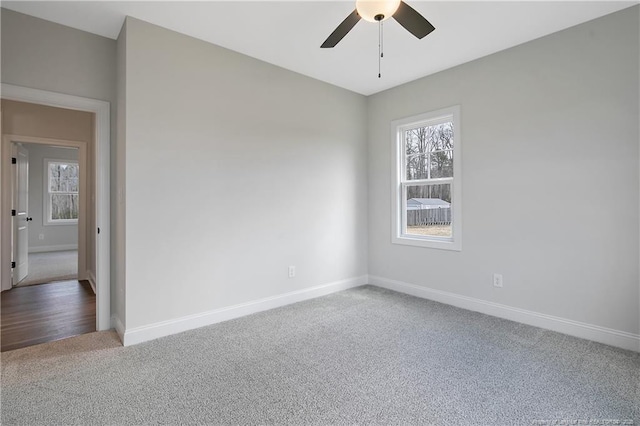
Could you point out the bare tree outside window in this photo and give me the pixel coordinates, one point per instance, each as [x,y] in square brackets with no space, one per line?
[63,190]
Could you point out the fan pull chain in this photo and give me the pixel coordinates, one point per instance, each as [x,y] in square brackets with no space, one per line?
[380,53]
[381,40]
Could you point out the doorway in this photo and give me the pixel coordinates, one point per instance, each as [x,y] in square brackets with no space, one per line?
[47,195]
[100,226]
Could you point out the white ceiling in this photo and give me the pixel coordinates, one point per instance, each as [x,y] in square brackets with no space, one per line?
[289,33]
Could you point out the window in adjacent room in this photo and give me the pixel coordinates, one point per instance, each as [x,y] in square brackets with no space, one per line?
[426,180]
[61,197]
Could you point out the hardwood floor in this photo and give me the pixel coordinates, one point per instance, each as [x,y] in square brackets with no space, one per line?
[46,312]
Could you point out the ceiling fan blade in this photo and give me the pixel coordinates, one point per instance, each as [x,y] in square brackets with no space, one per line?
[412,21]
[342,30]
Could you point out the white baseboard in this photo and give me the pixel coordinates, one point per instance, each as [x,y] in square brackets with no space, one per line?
[608,336]
[44,249]
[178,325]
[117,325]
[92,281]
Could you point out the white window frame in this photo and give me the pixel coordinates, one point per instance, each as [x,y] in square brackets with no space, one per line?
[46,203]
[399,181]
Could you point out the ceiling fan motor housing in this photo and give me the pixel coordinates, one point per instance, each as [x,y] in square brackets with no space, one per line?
[376,10]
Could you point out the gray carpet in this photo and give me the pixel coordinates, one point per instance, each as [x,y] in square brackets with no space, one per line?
[362,356]
[51,266]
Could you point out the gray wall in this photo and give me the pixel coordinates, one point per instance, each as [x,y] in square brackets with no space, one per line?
[48,56]
[550,182]
[55,237]
[235,169]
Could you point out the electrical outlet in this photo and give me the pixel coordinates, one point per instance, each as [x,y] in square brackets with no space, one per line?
[497,280]
[292,271]
[41,236]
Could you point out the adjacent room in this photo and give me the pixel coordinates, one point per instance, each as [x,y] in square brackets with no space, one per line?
[347,212]
[53,227]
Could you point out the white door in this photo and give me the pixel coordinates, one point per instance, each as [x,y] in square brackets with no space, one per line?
[21,220]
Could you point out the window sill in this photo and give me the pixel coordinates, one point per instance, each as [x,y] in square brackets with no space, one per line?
[61,223]
[428,243]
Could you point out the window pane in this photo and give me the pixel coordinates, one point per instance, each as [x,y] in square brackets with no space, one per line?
[429,210]
[63,177]
[64,206]
[429,151]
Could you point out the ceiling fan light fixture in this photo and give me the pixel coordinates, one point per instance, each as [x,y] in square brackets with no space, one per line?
[369,10]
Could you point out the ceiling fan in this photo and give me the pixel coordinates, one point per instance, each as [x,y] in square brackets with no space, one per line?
[378,11]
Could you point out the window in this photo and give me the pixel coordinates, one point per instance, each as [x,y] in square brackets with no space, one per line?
[426,180]
[61,198]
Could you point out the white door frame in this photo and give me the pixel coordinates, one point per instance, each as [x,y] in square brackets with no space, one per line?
[101,190]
